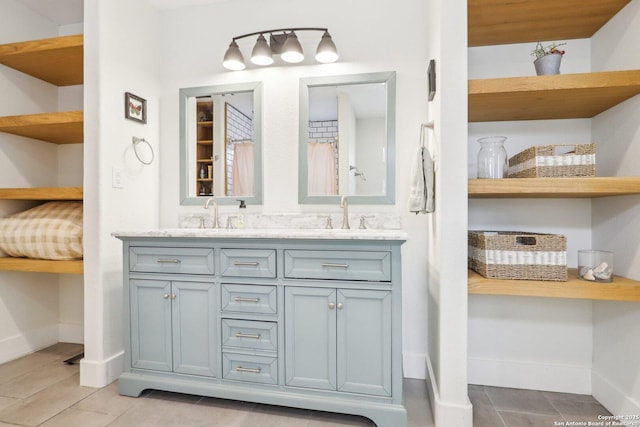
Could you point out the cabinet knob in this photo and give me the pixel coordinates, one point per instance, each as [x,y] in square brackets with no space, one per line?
[331,306]
[165,296]
[340,306]
[173,296]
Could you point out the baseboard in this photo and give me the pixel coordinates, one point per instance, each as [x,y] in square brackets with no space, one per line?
[446,414]
[413,366]
[530,375]
[99,373]
[22,344]
[614,399]
[68,332]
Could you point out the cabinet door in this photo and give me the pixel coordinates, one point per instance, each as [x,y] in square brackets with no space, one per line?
[364,341]
[310,337]
[150,306]
[194,328]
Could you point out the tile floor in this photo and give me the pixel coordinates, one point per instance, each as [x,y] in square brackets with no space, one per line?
[510,407]
[40,390]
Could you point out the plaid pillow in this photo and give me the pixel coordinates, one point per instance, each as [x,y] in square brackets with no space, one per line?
[52,230]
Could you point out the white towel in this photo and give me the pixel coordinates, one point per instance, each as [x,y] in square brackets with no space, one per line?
[422,183]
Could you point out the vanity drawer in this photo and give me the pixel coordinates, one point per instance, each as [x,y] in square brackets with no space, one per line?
[254,299]
[248,263]
[255,369]
[171,260]
[338,265]
[250,334]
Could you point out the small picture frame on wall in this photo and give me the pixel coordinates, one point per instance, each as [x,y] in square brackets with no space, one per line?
[431,75]
[135,108]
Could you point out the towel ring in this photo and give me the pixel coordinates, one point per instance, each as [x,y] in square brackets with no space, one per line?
[136,141]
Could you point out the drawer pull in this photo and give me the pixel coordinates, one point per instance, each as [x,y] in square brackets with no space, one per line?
[168,261]
[246,263]
[243,299]
[330,264]
[242,335]
[250,370]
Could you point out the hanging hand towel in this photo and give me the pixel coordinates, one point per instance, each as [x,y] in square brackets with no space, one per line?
[422,183]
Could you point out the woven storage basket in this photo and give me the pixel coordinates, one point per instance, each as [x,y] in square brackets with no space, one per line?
[545,161]
[518,255]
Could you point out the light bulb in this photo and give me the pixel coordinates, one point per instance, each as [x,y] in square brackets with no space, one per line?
[326,51]
[233,59]
[291,49]
[261,54]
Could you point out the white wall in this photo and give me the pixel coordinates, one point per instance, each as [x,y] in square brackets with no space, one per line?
[121,55]
[447,239]
[363,48]
[616,221]
[32,310]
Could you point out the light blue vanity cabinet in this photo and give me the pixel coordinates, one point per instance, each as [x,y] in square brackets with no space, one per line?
[173,326]
[304,322]
[338,339]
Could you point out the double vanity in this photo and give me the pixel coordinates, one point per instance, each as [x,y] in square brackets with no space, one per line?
[301,318]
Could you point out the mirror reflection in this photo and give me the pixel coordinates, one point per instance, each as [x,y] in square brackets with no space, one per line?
[347,138]
[220,144]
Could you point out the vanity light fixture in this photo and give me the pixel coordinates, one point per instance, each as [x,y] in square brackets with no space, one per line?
[283,42]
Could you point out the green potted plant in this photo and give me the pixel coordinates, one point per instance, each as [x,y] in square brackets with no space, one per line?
[548,58]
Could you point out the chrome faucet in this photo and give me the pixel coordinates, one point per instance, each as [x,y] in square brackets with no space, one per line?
[344,203]
[216,223]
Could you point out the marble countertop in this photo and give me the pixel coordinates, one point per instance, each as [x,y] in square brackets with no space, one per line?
[268,233]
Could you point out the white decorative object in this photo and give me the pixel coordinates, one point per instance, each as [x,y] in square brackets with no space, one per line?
[595,266]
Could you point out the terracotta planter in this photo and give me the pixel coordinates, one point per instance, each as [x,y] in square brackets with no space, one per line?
[548,64]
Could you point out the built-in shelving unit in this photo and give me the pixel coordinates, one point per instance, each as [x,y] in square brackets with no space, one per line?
[494,22]
[621,289]
[563,96]
[58,128]
[586,187]
[41,193]
[56,60]
[204,146]
[59,61]
[41,265]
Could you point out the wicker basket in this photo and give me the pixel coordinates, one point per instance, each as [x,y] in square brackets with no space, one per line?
[518,255]
[545,161]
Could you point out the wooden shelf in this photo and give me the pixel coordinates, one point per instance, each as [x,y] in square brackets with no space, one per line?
[57,60]
[560,96]
[60,128]
[494,22]
[41,193]
[41,265]
[554,187]
[621,289]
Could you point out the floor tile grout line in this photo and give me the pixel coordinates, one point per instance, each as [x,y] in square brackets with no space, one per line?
[484,391]
[554,407]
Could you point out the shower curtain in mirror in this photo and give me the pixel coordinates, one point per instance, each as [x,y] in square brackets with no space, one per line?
[321,159]
[243,168]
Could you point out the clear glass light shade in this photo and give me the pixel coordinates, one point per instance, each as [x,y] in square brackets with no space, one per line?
[291,49]
[233,59]
[261,54]
[326,51]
